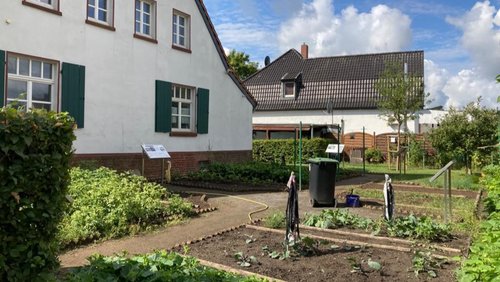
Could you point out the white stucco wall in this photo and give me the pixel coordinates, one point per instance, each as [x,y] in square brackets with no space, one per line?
[354,120]
[121,73]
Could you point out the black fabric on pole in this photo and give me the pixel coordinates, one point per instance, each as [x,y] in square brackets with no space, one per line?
[292,213]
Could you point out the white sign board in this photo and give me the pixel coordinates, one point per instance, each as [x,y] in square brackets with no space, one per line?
[155,151]
[332,148]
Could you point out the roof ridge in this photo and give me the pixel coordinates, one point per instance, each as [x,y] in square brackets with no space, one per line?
[274,61]
[367,54]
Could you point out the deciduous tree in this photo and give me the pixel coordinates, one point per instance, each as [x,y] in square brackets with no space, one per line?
[240,62]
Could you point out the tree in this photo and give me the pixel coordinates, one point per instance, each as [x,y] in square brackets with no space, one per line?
[401,96]
[240,63]
[464,134]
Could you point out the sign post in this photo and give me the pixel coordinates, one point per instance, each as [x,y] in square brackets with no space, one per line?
[154,152]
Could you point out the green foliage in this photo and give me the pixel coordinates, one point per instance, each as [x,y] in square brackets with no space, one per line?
[483,263]
[274,150]
[240,63]
[332,219]
[416,152]
[108,204]
[401,95]
[461,133]
[248,173]
[423,262]
[276,220]
[158,266]
[35,150]
[418,228]
[374,155]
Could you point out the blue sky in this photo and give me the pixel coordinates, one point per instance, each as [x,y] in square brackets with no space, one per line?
[460,38]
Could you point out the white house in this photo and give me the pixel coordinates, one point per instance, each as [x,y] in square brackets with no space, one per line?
[324,93]
[130,72]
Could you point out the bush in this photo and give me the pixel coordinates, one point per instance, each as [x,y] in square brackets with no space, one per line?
[276,220]
[374,155]
[483,263]
[107,204]
[275,150]
[418,228]
[35,150]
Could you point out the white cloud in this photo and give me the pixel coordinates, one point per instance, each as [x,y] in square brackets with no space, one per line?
[481,37]
[435,80]
[350,32]
[467,86]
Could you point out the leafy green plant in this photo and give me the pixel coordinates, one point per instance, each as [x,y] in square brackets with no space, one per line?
[423,262]
[337,218]
[276,220]
[272,151]
[418,228]
[374,155]
[35,152]
[245,260]
[158,266]
[108,204]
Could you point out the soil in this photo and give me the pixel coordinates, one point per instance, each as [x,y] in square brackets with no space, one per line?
[330,262]
[199,201]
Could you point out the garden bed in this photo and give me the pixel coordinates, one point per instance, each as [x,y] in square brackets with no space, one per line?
[328,260]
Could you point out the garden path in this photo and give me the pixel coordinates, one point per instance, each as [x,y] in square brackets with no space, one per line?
[230,212]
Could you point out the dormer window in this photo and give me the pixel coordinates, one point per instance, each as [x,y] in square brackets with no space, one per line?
[291,84]
[289,89]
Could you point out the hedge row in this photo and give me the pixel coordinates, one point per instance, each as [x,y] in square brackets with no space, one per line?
[35,150]
[483,263]
[277,150]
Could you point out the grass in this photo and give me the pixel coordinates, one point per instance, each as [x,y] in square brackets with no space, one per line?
[420,176]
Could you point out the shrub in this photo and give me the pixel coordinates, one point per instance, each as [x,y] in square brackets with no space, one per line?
[483,263]
[374,155]
[275,149]
[35,150]
[418,228]
[108,204]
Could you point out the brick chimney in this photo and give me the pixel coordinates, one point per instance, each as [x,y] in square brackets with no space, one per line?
[304,51]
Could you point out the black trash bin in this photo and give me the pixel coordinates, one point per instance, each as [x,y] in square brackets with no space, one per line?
[322,181]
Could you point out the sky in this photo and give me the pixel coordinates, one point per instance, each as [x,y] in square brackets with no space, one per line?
[460,38]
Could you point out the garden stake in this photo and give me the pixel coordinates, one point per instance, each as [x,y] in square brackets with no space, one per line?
[292,213]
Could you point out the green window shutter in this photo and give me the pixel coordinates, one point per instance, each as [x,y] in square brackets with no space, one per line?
[163,106]
[73,92]
[2,77]
[202,110]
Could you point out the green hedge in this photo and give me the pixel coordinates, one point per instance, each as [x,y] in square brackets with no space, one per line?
[483,263]
[274,150]
[35,150]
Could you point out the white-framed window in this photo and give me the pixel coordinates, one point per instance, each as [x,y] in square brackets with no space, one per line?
[47,4]
[100,11]
[145,18]
[183,108]
[289,89]
[180,29]
[31,83]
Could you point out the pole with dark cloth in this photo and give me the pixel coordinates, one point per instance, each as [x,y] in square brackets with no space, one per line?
[388,198]
[292,212]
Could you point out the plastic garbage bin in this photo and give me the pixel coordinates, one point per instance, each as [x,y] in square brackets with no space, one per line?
[322,181]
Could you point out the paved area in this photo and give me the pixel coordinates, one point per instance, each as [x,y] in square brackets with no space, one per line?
[232,210]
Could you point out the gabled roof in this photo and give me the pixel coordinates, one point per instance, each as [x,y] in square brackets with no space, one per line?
[222,55]
[348,81]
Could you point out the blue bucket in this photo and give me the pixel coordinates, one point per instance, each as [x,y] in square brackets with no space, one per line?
[352,201]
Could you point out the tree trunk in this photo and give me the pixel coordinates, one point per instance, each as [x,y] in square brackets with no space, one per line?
[398,159]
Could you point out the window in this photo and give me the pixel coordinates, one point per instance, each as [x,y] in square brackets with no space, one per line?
[182,108]
[180,30]
[51,6]
[145,18]
[31,83]
[100,12]
[289,89]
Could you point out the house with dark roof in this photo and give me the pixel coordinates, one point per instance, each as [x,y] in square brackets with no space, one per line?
[130,73]
[326,94]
